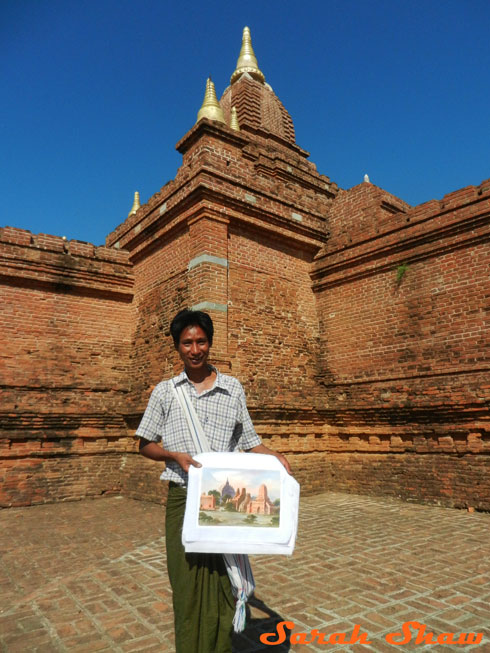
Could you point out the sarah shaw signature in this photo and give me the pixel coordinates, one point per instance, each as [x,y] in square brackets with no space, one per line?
[396,639]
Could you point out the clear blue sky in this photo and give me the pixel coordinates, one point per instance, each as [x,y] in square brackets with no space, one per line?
[96,93]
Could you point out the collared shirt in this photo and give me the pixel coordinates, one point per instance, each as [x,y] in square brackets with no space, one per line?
[222,411]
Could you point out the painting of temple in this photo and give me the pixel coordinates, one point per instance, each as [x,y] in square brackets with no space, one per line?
[261,505]
[208,502]
[241,497]
[242,500]
[226,490]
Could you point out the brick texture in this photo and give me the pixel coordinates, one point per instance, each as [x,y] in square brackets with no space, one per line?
[403,308]
[65,330]
[357,324]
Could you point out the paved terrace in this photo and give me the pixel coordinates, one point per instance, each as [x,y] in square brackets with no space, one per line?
[90,576]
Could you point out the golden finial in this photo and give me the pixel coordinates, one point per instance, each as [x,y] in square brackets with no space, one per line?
[234,124]
[210,108]
[247,61]
[136,204]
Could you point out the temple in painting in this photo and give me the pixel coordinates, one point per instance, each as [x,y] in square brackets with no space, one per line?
[226,490]
[207,502]
[261,505]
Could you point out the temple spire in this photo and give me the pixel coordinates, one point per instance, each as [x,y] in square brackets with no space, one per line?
[234,124]
[136,204]
[210,108]
[247,61]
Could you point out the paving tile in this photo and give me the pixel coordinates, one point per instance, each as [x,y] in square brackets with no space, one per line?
[90,576]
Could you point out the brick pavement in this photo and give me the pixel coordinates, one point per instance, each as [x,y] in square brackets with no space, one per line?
[90,576]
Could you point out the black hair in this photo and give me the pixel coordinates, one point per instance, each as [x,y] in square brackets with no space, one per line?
[187,318]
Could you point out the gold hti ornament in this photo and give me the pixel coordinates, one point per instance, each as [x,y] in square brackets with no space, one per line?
[210,108]
[247,61]
[136,204]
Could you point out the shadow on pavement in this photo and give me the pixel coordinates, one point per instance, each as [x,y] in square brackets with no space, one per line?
[249,639]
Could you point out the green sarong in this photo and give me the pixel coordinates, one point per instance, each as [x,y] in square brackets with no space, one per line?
[203,602]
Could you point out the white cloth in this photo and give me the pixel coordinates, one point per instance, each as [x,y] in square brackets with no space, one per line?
[202,538]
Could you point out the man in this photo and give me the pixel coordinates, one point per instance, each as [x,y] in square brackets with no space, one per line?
[203,602]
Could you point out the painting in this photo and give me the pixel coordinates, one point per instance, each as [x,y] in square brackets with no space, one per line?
[240,497]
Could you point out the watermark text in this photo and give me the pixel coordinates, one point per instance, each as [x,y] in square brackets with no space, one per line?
[411,632]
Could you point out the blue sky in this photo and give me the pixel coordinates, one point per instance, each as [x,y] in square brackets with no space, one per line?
[96,93]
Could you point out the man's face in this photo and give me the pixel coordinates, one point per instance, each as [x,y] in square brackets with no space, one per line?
[194,348]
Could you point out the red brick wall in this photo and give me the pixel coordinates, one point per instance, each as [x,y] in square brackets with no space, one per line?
[273,326]
[65,328]
[363,355]
[443,479]
[160,291]
[404,338]
[140,479]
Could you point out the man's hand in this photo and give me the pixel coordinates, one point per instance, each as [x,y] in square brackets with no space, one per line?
[261,448]
[154,451]
[283,460]
[185,460]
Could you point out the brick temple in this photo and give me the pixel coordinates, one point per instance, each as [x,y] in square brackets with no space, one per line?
[357,324]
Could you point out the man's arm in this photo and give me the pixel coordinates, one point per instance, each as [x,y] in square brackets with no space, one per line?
[152,424]
[154,451]
[261,448]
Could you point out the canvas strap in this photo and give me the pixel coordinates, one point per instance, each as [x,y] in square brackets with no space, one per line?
[237,565]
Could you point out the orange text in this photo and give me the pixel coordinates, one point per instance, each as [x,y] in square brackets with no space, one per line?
[411,631]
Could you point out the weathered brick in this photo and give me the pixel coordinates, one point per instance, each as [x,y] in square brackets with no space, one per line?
[356,323]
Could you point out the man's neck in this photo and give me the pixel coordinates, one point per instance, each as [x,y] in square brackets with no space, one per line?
[199,376]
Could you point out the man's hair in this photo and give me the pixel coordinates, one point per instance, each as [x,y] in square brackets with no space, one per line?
[187,318]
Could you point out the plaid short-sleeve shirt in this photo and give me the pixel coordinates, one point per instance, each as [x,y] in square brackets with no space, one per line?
[222,411]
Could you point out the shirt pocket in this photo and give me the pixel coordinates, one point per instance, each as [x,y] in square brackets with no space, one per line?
[219,429]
